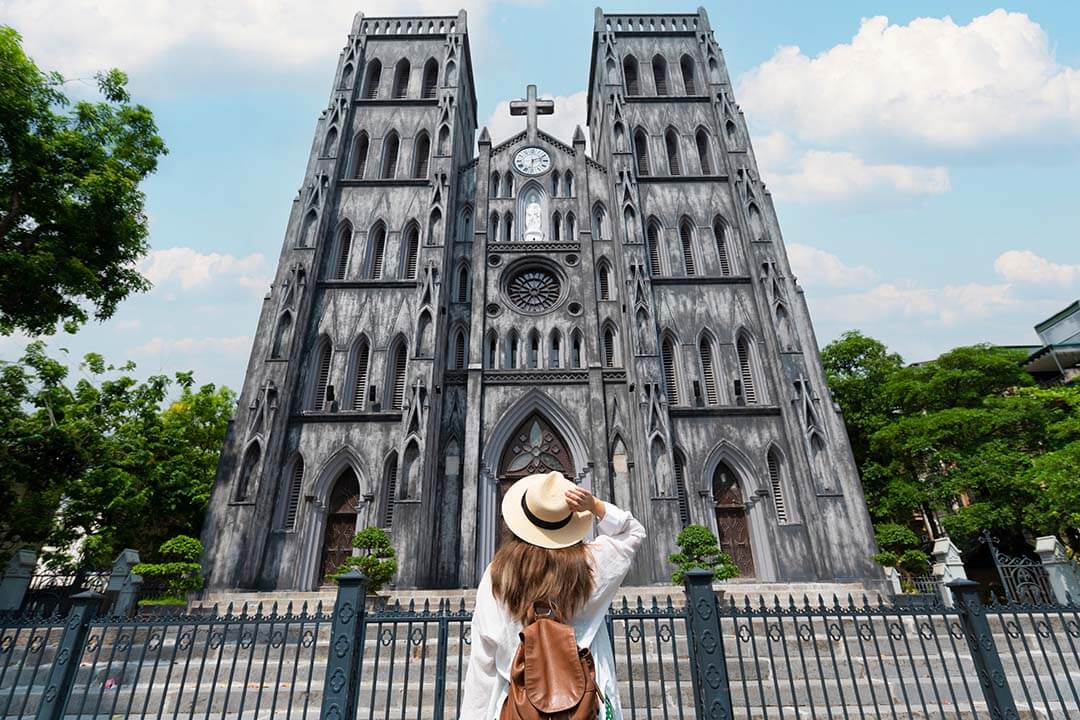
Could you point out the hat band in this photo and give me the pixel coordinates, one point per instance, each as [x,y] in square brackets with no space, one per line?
[544,524]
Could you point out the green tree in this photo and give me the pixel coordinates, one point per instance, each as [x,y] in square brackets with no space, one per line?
[376,559]
[698,549]
[107,460]
[177,571]
[72,224]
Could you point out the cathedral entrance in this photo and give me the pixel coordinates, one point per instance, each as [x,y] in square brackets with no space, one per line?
[732,525]
[535,447]
[340,523]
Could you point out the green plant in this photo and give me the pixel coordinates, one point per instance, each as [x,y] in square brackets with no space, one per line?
[698,549]
[180,574]
[377,560]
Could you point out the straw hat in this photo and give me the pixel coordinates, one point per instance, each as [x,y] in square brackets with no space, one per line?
[535,509]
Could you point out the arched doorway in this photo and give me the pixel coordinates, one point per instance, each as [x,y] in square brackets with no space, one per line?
[534,447]
[732,524]
[340,522]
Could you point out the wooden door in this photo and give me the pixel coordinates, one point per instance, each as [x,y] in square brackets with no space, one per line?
[732,525]
[340,523]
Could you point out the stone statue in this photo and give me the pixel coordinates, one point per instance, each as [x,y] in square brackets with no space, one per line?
[534,220]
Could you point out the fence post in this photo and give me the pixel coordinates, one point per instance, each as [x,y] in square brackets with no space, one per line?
[984,653]
[84,608]
[712,694]
[124,585]
[16,579]
[346,639]
[1061,570]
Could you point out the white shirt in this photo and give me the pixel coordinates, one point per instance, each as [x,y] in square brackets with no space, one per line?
[495,637]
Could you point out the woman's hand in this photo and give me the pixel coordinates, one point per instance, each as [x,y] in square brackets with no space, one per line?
[581,500]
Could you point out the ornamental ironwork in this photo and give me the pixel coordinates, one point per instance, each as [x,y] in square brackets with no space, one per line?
[534,290]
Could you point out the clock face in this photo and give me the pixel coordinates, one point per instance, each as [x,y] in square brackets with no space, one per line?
[532,161]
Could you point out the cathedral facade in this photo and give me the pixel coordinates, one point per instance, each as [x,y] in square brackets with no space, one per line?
[449,315]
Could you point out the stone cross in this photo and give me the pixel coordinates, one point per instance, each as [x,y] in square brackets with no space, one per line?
[531,107]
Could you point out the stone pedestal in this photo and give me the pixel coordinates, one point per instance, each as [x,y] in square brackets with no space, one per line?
[124,585]
[948,566]
[16,579]
[1062,571]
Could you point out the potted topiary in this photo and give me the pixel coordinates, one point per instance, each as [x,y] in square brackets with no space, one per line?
[698,549]
[376,560]
[166,584]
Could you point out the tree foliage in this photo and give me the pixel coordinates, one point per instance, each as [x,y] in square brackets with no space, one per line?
[105,462]
[177,571]
[698,549]
[72,224]
[376,559]
[967,441]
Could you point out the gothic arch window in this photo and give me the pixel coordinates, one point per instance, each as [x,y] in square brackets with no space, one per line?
[459,350]
[512,347]
[532,360]
[610,339]
[776,484]
[577,358]
[708,370]
[686,64]
[376,251]
[307,229]
[659,72]
[245,481]
[620,137]
[451,74]
[466,225]
[493,228]
[389,489]
[661,469]
[421,155]
[704,151]
[555,184]
[330,145]
[630,226]
[686,242]
[344,249]
[360,155]
[714,70]
[361,362]
[600,229]
[641,151]
[680,486]
[571,227]
[282,335]
[744,350]
[294,484]
[556,227]
[757,224]
[493,185]
[410,251]
[603,280]
[444,140]
[390,156]
[323,356]
[491,350]
[371,82]
[732,133]
[671,146]
[410,471]
[723,252]
[463,284]
[424,332]
[434,226]
[431,79]
[568,183]
[395,386]
[630,75]
[401,78]
[670,364]
[555,349]
[508,185]
[652,239]
[508,227]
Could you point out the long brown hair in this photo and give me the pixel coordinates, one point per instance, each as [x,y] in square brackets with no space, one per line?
[523,574]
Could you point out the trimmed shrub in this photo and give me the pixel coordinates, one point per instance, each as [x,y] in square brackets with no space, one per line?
[179,573]
[377,561]
[699,549]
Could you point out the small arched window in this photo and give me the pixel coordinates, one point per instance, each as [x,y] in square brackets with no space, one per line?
[512,351]
[389,490]
[671,145]
[652,238]
[360,154]
[603,281]
[434,226]
[757,224]
[424,331]
[491,350]
[659,72]
[630,75]
[411,252]
[344,248]
[776,482]
[571,228]
[493,185]
[307,229]
[508,185]
[686,241]
[641,152]
[508,228]
[576,356]
[401,79]
[330,146]
[568,181]
[377,251]
[599,221]
[371,82]
[746,373]
[431,79]
[704,151]
[533,359]
[323,357]
[680,486]
[410,471]
[671,377]
[630,226]
[421,153]
[451,74]
[361,362]
[246,480]
[708,371]
[555,349]
[720,235]
[689,82]
[493,228]
[390,156]
[463,285]
[556,227]
[282,336]
[555,184]
[444,140]
[732,132]
[609,339]
[459,350]
[292,496]
[399,359]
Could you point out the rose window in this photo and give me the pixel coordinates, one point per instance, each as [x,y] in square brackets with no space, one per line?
[533,290]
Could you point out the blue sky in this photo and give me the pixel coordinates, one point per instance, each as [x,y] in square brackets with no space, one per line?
[924,167]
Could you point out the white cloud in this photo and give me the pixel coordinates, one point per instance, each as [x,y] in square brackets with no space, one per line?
[159,346]
[191,269]
[569,113]
[814,266]
[1025,267]
[946,306]
[930,81]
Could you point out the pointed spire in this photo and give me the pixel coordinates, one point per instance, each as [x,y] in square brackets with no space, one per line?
[579,136]
[485,138]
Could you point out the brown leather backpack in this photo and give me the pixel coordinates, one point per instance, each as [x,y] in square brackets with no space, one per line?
[550,678]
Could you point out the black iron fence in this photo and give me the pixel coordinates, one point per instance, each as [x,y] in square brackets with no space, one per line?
[698,657]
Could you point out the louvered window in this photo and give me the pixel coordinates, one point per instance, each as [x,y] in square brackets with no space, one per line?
[422,153]
[371,89]
[630,75]
[360,379]
[492,350]
[397,381]
[412,249]
[360,156]
[534,350]
[459,351]
[292,503]
[745,374]
[708,372]
[777,489]
[680,488]
[704,153]
[390,491]
[641,152]
[322,376]
[720,234]
[431,79]
[671,143]
[341,269]
[463,286]
[653,238]
[401,79]
[605,284]
[378,250]
[555,350]
[575,351]
[390,157]
[688,80]
[671,381]
[659,70]
[609,347]
[686,239]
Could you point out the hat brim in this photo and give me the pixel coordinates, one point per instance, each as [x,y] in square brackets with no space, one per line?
[514,517]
